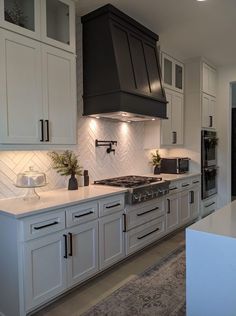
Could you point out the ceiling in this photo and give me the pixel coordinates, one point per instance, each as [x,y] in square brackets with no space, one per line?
[187,28]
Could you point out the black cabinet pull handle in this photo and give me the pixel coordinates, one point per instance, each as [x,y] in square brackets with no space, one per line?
[47,130]
[65,239]
[185,185]
[171,189]
[168,206]
[174,137]
[71,245]
[210,204]
[125,223]
[211,121]
[44,226]
[191,197]
[155,230]
[115,205]
[149,211]
[42,130]
[84,214]
[194,182]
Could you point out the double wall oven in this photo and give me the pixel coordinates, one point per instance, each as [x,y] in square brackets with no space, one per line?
[209,163]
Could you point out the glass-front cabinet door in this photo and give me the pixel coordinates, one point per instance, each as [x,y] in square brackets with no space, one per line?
[172,73]
[21,16]
[58,23]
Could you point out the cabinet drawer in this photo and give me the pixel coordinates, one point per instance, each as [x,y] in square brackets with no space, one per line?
[41,225]
[138,215]
[185,183]
[209,206]
[174,186]
[140,237]
[196,180]
[111,205]
[81,213]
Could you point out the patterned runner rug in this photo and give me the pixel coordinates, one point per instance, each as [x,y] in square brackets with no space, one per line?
[158,291]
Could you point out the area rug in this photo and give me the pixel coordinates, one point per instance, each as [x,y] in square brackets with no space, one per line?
[158,291]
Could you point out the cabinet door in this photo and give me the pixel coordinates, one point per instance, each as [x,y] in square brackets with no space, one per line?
[59,95]
[184,207]
[58,23]
[166,129]
[177,118]
[111,239]
[26,22]
[20,89]
[173,73]
[209,80]
[172,212]
[83,257]
[194,202]
[208,111]
[44,269]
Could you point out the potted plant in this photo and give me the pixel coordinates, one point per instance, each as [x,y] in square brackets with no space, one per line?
[67,164]
[156,162]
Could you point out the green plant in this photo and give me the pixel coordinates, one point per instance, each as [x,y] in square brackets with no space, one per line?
[65,163]
[155,158]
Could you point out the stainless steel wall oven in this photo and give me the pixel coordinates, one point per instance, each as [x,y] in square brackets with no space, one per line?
[209,142]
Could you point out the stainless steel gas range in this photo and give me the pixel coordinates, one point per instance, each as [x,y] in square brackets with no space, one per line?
[140,188]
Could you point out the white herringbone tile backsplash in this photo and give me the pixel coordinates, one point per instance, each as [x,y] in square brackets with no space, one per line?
[130,158]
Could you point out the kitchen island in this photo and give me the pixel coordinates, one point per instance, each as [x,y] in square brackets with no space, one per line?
[211,264]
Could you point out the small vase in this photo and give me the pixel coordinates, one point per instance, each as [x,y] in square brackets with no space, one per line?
[73,183]
[157,170]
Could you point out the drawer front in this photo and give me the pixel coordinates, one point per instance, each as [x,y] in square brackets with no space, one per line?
[196,180]
[111,205]
[81,213]
[142,236]
[185,184]
[41,225]
[209,206]
[139,215]
[174,186]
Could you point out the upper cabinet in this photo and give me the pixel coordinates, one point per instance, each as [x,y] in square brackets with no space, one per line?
[21,16]
[37,92]
[58,23]
[50,21]
[208,79]
[172,73]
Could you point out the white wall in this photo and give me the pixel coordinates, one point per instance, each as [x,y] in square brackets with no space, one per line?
[226,75]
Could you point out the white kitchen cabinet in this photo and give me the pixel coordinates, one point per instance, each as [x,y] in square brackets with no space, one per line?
[37,92]
[27,23]
[172,212]
[173,73]
[20,89]
[208,79]
[184,207]
[50,21]
[83,253]
[111,239]
[208,111]
[45,274]
[172,129]
[59,95]
[58,23]
[195,193]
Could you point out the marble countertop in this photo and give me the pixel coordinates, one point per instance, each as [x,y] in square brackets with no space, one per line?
[50,200]
[221,222]
[174,177]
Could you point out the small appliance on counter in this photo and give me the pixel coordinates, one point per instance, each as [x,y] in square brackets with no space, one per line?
[175,165]
[31,179]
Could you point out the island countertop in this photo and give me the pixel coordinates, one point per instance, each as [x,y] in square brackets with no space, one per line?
[221,222]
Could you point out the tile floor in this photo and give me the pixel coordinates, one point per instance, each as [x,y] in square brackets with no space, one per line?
[85,296]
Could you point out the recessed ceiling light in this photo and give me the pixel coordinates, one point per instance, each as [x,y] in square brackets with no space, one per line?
[201,0]
[153,119]
[98,117]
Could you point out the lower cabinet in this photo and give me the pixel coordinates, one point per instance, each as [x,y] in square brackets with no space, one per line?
[44,269]
[184,207]
[111,239]
[172,212]
[83,253]
[194,202]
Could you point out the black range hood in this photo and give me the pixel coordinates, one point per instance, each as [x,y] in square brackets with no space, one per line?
[121,70]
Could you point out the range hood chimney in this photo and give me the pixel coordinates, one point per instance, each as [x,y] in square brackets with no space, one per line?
[122,76]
